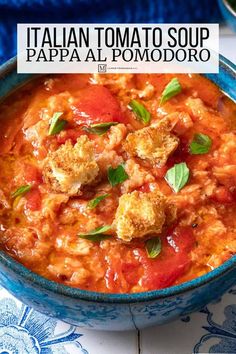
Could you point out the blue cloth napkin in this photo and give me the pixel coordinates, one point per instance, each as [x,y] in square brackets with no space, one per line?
[79,11]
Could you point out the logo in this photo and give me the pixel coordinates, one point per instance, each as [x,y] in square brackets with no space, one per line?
[102,68]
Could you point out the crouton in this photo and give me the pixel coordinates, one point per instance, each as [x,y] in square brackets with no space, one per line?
[70,167]
[139,214]
[154,143]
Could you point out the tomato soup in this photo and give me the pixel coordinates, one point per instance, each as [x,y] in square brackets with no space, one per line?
[118,183]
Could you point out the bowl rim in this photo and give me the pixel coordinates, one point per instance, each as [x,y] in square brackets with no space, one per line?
[91,296]
[229,7]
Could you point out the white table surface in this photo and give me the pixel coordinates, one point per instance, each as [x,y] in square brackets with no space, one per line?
[194,334]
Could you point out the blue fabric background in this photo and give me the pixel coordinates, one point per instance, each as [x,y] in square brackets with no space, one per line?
[43,11]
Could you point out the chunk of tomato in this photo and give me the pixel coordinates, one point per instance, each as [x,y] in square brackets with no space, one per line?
[173,261]
[160,171]
[121,274]
[33,198]
[32,174]
[145,188]
[180,239]
[96,104]
[130,272]
[223,195]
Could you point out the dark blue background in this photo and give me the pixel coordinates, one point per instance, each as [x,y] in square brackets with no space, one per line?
[52,11]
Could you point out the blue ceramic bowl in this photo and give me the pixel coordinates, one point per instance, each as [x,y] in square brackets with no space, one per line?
[115,311]
[229,13]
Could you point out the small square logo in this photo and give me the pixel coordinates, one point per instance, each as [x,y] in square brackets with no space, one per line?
[102,68]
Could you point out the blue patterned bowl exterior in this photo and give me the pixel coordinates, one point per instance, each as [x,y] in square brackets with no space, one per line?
[115,311]
[228,13]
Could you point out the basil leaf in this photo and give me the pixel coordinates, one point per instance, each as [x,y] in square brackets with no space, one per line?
[172,89]
[153,247]
[140,111]
[117,175]
[56,124]
[201,144]
[177,176]
[94,202]
[99,129]
[21,191]
[97,234]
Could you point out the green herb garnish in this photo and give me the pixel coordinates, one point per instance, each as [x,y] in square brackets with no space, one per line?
[172,89]
[99,129]
[117,175]
[177,176]
[57,124]
[97,234]
[201,144]
[153,247]
[21,191]
[94,202]
[140,111]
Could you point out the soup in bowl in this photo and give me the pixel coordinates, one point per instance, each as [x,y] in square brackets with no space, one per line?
[118,192]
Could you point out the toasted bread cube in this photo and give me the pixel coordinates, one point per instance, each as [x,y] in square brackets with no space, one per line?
[70,167]
[139,214]
[154,143]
